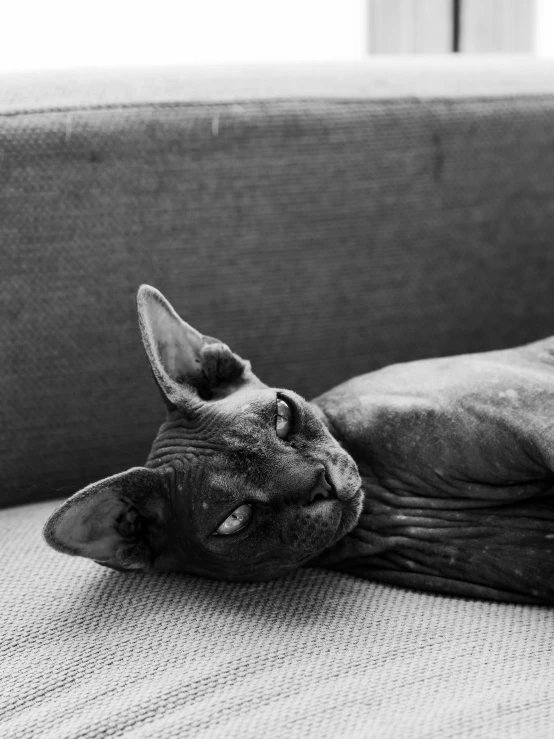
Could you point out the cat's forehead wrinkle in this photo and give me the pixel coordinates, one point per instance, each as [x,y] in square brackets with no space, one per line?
[183,475]
[176,439]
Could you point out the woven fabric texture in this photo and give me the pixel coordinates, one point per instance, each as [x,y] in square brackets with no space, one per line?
[319,239]
[90,653]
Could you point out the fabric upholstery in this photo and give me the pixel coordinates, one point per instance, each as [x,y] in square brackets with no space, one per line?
[89,652]
[320,238]
[323,222]
[424,77]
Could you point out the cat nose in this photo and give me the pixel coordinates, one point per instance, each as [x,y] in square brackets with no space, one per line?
[321,490]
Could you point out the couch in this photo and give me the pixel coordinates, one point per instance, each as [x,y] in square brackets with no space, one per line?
[324,221]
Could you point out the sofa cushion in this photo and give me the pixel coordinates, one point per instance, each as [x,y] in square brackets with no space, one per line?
[424,77]
[90,652]
[316,228]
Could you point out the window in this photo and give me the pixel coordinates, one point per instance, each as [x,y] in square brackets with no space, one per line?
[63,33]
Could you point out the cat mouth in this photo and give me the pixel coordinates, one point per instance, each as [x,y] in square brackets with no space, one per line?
[322,490]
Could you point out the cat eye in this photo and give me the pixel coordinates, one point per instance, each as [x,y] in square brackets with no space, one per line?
[283,422]
[238,519]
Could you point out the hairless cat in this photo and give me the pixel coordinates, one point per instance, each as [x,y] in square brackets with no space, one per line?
[436,474]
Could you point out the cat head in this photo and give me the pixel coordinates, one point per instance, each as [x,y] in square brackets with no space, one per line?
[243,481]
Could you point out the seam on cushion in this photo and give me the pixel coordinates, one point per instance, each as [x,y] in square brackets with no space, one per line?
[268,102]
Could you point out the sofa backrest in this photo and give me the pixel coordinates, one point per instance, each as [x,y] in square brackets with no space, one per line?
[321,232]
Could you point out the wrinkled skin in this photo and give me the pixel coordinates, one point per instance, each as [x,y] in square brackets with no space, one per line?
[457,463]
[239,458]
[217,450]
[456,458]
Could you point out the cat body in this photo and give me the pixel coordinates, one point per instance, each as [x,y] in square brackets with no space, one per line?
[435,474]
[456,457]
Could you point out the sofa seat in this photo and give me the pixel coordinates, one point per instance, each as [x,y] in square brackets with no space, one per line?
[324,221]
[90,652]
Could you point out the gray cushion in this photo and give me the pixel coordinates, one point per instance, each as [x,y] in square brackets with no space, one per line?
[89,652]
[320,236]
[378,78]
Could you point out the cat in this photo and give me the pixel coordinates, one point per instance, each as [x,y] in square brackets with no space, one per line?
[436,475]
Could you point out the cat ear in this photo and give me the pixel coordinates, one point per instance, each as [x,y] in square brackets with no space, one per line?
[181,357]
[112,521]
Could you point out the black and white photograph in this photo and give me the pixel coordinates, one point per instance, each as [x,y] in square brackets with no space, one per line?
[277,369]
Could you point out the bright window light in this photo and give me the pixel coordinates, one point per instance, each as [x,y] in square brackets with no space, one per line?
[61,34]
[544,36]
